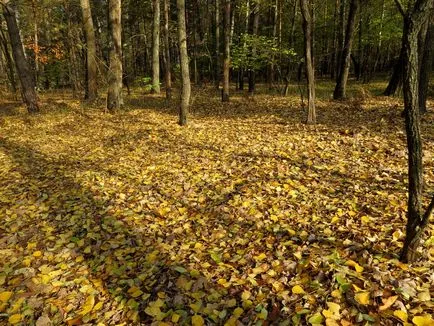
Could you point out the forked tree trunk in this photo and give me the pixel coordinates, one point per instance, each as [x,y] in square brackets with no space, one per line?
[226,61]
[345,59]
[156,47]
[28,87]
[185,71]
[114,95]
[91,90]
[417,219]
[307,22]
[168,63]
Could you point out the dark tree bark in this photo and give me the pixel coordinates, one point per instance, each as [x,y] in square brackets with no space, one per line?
[185,72]
[340,36]
[114,95]
[156,47]
[426,59]
[396,78]
[167,57]
[91,90]
[417,219]
[252,72]
[345,59]
[226,61]
[217,44]
[305,6]
[9,62]
[28,87]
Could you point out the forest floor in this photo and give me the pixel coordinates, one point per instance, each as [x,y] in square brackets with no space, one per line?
[245,217]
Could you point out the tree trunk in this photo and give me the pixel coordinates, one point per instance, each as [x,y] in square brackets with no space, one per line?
[426,51]
[91,90]
[25,75]
[226,62]
[305,6]
[217,44]
[9,62]
[341,36]
[185,72]
[168,64]
[114,95]
[417,220]
[341,85]
[156,47]
[252,72]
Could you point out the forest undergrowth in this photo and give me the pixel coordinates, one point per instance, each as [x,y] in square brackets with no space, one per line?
[245,217]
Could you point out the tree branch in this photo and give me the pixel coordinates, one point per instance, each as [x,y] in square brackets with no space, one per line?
[429,210]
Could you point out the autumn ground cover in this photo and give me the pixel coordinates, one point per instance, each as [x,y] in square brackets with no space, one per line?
[245,217]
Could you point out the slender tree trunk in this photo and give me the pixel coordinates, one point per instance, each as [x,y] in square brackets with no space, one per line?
[340,89]
[226,62]
[114,95]
[9,62]
[185,72]
[156,47]
[246,30]
[426,59]
[305,6]
[252,72]
[27,80]
[168,64]
[91,90]
[217,44]
[396,78]
[380,38]
[36,48]
[417,219]
[341,36]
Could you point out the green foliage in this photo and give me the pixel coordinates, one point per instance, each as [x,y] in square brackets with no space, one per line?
[257,51]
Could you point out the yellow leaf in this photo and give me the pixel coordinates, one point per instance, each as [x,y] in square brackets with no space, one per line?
[245,295]
[238,312]
[297,289]
[88,305]
[332,312]
[5,296]
[175,318]
[423,320]
[396,235]
[136,293]
[401,315]
[336,294]
[388,302]
[15,319]
[335,219]
[331,322]
[365,219]
[98,306]
[260,257]
[362,298]
[356,266]
[278,286]
[37,253]
[197,320]
[334,307]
